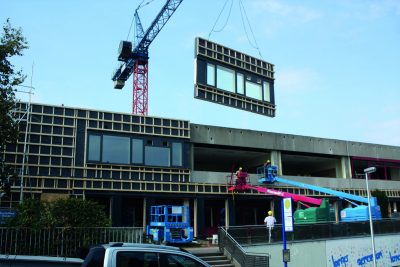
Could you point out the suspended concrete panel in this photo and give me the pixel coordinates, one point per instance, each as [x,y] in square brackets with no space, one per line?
[232,78]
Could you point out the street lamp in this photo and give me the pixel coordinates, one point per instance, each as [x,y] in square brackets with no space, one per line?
[368,171]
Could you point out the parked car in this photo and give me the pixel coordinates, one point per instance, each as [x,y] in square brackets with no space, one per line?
[140,255]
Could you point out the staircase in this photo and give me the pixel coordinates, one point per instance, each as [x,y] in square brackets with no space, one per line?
[213,257]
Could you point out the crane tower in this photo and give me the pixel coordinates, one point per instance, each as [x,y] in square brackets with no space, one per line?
[136,60]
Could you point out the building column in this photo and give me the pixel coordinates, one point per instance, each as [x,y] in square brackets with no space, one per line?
[200,218]
[344,170]
[276,159]
[232,212]
[116,202]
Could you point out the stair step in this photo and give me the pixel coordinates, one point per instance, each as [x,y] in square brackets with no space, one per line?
[212,258]
[219,262]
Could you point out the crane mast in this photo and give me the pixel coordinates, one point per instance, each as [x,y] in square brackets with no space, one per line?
[135,61]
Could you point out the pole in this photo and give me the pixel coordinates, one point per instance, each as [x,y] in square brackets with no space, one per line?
[283,230]
[371,226]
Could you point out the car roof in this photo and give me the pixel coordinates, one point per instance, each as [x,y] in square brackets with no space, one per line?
[139,246]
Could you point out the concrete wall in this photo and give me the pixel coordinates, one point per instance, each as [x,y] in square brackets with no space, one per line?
[338,183]
[354,251]
[214,135]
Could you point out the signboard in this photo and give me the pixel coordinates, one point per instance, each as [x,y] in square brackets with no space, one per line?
[287,214]
[6,214]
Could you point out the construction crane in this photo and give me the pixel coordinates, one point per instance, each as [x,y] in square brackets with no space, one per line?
[136,60]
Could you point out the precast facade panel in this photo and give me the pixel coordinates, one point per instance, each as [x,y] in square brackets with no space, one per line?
[232,78]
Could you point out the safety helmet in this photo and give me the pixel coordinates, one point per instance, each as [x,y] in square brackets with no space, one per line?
[268,161]
[269,213]
[240,168]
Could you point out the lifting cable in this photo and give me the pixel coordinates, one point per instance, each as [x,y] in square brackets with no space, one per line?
[142,4]
[243,12]
[219,15]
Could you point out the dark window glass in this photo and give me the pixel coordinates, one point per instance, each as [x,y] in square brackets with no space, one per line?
[157,156]
[58,120]
[67,141]
[95,258]
[137,259]
[46,129]
[47,119]
[116,149]
[46,139]
[68,131]
[35,128]
[56,150]
[44,160]
[177,154]
[57,130]
[68,121]
[44,150]
[137,151]
[94,147]
[168,259]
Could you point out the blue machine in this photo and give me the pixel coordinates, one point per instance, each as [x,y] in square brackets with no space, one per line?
[269,174]
[170,224]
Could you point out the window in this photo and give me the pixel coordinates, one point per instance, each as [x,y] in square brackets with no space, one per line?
[157,156]
[254,90]
[177,154]
[137,259]
[225,79]
[94,147]
[173,260]
[137,151]
[116,149]
[210,74]
[266,91]
[240,83]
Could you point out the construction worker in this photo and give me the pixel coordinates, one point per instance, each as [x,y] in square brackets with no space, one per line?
[238,174]
[269,222]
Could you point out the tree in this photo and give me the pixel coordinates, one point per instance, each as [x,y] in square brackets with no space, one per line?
[383,202]
[70,212]
[12,43]
[73,212]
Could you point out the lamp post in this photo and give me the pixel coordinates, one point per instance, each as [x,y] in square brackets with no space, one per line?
[368,171]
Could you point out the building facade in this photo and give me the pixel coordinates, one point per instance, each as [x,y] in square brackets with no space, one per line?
[128,163]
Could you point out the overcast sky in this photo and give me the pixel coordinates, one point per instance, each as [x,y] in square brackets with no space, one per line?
[336,62]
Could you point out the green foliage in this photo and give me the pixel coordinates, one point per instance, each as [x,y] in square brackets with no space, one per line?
[383,202]
[32,213]
[12,43]
[69,213]
[73,212]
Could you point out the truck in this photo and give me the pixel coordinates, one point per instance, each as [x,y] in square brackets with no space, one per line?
[170,224]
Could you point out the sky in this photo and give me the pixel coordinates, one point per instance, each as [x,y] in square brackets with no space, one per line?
[336,61]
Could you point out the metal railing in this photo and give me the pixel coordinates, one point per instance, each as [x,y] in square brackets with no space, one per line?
[62,242]
[258,234]
[245,259]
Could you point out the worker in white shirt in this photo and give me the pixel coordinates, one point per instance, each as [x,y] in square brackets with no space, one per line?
[269,221]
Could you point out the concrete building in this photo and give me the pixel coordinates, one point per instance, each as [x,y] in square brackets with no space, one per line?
[129,163]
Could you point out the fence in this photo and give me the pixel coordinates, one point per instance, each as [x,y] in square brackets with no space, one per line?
[62,242]
[245,259]
[257,234]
